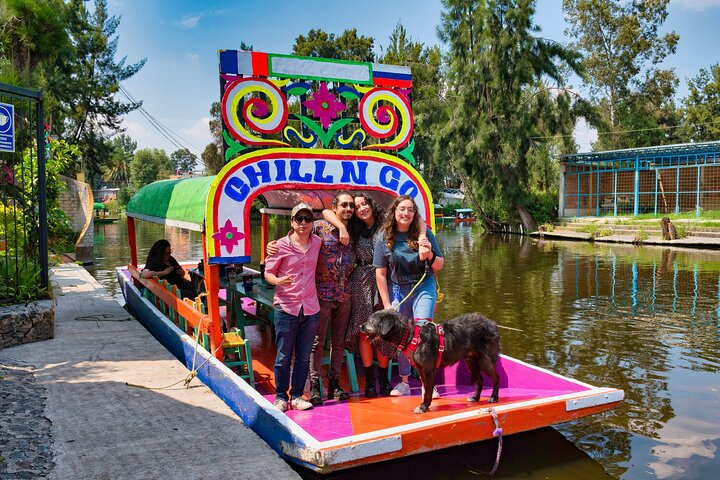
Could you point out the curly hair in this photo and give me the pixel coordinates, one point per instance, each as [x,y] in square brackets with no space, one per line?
[357,227]
[389,227]
[157,251]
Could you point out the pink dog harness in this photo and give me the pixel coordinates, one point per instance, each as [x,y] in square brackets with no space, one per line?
[415,341]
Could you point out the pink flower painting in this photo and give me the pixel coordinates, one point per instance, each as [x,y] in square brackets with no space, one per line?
[228,236]
[324,105]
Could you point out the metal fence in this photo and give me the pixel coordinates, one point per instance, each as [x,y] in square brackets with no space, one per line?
[23,206]
[659,180]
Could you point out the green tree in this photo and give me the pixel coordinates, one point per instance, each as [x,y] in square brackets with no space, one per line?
[496,100]
[117,169]
[213,159]
[427,102]
[32,33]
[348,46]
[183,160]
[623,46]
[701,120]
[86,81]
[148,165]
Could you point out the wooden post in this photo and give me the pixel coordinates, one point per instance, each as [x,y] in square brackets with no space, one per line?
[263,235]
[133,246]
[212,287]
[131,240]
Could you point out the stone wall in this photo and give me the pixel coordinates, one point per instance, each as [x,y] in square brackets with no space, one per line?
[26,323]
[77,202]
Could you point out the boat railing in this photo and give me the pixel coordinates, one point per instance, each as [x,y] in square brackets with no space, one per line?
[188,315]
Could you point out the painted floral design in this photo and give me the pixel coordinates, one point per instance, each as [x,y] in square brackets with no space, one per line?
[228,235]
[324,105]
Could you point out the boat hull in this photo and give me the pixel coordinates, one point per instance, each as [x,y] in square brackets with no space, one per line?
[340,435]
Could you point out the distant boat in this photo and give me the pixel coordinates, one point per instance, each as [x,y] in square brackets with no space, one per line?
[101,214]
[461,215]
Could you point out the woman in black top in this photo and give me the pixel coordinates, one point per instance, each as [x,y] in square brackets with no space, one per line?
[161,264]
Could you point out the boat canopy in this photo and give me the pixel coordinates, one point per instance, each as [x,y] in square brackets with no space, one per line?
[463,210]
[99,206]
[180,203]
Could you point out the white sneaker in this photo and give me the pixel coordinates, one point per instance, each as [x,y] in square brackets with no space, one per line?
[300,403]
[436,394]
[281,405]
[400,390]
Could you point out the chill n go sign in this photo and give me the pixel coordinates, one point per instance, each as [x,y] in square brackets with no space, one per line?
[227,216]
[7,128]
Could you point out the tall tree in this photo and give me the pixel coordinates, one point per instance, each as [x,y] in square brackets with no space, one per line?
[701,121]
[86,81]
[117,169]
[213,159]
[623,47]
[496,99]
[348,46]
[32,32]
[183,161]
[148,165]
[426,66]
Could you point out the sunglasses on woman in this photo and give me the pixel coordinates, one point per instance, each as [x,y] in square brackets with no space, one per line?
[303,219]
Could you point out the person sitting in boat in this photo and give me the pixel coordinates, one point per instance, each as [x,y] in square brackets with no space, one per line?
[401,252]
[161,264]
[297,309]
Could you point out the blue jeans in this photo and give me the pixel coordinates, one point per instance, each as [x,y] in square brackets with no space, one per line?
[421,304]
[293,334]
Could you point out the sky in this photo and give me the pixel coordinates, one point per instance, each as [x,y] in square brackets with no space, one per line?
[180,40]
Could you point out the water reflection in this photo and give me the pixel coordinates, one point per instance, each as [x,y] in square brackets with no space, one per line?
[643,319]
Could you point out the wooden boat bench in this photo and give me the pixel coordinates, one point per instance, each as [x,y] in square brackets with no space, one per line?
[235,344]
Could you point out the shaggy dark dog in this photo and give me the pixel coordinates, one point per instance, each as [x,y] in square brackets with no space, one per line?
[470,336]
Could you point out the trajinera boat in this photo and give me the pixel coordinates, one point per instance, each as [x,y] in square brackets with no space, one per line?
[352,130]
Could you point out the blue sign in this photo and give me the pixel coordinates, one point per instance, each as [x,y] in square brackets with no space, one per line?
[7,128]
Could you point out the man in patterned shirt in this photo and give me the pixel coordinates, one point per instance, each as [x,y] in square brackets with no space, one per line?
[335,264]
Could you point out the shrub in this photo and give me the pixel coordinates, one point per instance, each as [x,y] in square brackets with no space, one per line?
[641,236]
[20,280]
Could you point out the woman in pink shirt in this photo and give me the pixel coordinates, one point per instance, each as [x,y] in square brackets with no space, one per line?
[292,271]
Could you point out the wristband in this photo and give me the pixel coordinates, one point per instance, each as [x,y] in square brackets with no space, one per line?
[432,260]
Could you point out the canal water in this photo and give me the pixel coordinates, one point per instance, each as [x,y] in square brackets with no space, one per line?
[643,319]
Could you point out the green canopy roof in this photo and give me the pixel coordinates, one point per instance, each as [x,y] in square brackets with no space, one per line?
[99,206]
[180,203]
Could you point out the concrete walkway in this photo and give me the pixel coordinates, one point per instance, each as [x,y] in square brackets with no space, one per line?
[69,414]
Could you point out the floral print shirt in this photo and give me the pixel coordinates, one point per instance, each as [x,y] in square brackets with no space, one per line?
[335,264]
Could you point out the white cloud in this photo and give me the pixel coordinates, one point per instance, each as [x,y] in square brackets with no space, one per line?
[585,136]
[697,5]
[192,56]
[198,134]
[190,21]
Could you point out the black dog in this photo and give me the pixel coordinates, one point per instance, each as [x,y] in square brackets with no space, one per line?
[470,336]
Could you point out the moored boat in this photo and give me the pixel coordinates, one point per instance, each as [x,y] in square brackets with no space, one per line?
[225,336]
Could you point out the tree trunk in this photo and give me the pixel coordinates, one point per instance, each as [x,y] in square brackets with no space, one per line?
[528,222]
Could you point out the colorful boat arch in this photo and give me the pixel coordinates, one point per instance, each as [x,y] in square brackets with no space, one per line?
[232,192]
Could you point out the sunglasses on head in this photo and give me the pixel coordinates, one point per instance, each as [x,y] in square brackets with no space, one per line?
[303,219]
[347,204]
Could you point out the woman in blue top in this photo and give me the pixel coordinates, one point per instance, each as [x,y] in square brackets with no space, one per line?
[399,259]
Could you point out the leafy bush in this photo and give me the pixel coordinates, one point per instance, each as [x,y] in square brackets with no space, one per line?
[681,231]
[641,236]
[543,206]
[20,279]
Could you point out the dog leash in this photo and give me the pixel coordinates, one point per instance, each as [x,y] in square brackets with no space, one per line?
[439,295]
